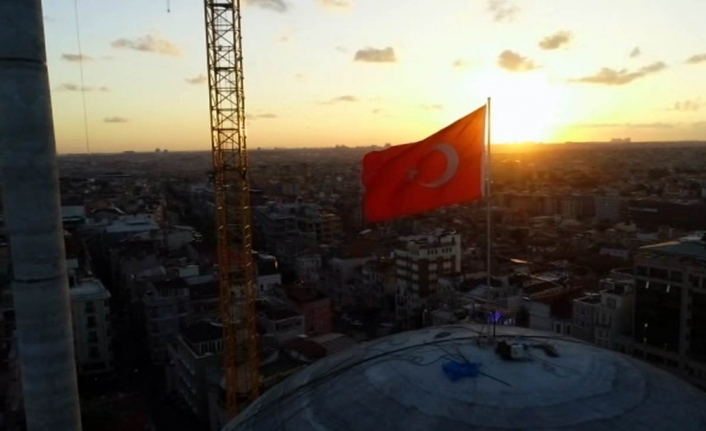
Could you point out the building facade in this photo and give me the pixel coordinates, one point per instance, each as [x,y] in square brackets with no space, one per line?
[670,307]
[419,262]
[93,338]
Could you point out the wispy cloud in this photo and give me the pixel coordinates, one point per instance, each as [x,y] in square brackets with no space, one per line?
[75,87]
[115,120]
[336,4]
[502,10]
[692,105]
[460,63]
[196,80]
[260,116]
[514,62]
[696,59]
[434,107]
[339,99]
[635,52]
[376,111]
[276,5]
[556,40]
[76,57]
[149,43]
[342,49]
[375,55]
[607,76]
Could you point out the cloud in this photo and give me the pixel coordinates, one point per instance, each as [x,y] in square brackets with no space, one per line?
[374,55]
[376,111]
[514,62]
[200,79]
[115,120]
[75,87]
[688,105]
[260,116]
[434,107]
[556,40]
[608,76]
[635,52]
[148,43]
[460,64]
[626,125]
[696,59]
[336,4]
[76,57]
[347,98]
[276,5]
[342,49]
[502,10]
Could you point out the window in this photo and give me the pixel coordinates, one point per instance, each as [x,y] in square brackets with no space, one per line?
[94,353]
[658,273]
[641,270]
[611,303]
[694,280]
[91,322]
[675,276]
[90,307]
[92,337]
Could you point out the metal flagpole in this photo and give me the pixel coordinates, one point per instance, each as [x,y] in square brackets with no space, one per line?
[488,204]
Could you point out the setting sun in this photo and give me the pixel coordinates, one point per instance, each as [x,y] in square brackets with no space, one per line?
[523,108]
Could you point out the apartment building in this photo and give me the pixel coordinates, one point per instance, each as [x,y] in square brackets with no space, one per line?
[281,325]
[612,208]
[190,357]
[166,310]
[93,339]
[602,318]
[419,262]
[670,307]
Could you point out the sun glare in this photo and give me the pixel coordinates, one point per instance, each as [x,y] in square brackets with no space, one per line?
[523,108]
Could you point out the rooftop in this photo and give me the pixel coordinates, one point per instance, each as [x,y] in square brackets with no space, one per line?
[690,247]
[280,313]
[89,288]
[400,383]
[202,332]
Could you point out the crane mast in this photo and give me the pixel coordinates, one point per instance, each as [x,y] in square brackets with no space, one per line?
[236,272]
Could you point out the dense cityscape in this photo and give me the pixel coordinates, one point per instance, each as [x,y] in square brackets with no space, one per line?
[352,215]
[597,242]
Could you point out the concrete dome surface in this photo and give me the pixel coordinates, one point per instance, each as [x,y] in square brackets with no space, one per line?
[446,378]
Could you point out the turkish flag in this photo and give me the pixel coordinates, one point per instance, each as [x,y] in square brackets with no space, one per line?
[444,169]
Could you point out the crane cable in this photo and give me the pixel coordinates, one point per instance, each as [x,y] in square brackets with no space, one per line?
[83,84]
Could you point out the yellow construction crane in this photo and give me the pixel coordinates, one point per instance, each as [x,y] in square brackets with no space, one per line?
[236,271]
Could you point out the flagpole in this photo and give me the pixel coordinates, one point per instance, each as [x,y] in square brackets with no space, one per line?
[488,205]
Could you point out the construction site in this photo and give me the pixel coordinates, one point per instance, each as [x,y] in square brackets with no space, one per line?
[243,289]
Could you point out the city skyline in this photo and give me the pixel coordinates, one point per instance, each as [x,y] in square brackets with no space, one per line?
[362,72]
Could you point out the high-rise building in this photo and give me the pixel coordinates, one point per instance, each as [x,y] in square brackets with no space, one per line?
[612,208]
[670,306]
[90,311]
[419,262]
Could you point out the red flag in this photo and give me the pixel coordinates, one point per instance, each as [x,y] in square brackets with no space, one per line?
[444,169]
